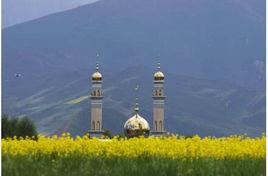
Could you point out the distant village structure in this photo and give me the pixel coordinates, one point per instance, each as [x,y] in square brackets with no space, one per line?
[136,125]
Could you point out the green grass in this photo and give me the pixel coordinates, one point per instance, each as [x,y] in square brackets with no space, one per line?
[78,165]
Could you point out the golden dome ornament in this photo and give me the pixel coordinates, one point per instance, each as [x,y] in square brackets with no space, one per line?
[159,75]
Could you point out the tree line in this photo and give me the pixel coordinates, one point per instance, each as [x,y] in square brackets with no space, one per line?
[19,127]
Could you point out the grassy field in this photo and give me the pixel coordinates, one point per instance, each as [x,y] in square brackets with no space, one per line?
[231,156]
[117,166]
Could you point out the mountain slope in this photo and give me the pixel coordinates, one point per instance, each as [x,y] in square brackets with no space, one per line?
[193,106]
[219,40]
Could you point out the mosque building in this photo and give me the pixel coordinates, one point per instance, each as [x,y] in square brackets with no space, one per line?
[135,125]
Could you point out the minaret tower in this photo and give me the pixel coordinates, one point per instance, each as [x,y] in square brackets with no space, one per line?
[158,102]
[96,97]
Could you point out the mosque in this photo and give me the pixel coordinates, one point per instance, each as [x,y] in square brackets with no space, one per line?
[135,125]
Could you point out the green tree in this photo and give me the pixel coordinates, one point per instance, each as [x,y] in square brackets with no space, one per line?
[26,127]
[12,126]
[9,125]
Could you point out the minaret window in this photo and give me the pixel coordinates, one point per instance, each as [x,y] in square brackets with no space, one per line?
[155,125]
[93,125]
[160,125]
[98,125]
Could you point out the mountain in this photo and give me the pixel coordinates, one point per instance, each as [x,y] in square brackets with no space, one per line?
[217,40]
[19,11]
[214,52]
[193,106]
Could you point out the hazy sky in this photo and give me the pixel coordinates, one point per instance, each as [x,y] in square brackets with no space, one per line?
[18,11]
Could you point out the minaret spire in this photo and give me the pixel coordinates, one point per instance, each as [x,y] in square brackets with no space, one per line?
[158,62]
[136,101]
[97,66]
[97,61]
[158,65]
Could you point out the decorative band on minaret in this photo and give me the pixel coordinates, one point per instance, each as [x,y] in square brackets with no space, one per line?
[96,97]
[158,102]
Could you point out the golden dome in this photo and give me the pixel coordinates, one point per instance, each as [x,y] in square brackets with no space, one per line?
[97,75]
[159,75]
[136,126]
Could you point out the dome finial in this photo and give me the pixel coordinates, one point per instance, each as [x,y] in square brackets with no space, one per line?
[158,65]
[97,66]
[158,61]
[136,100]
[97,61]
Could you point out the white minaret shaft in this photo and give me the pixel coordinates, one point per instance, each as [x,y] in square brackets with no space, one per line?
[158,101]
[96,101]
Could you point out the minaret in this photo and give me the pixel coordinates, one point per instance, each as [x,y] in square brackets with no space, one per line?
[96,97]
[158,102]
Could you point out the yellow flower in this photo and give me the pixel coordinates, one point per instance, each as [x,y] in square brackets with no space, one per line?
[171,147]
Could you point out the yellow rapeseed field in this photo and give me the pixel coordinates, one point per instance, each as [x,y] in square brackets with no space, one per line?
[170,147]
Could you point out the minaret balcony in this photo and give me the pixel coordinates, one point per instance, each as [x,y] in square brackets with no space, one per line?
[158,97]
[96,81]
[159,81]
[96,97]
